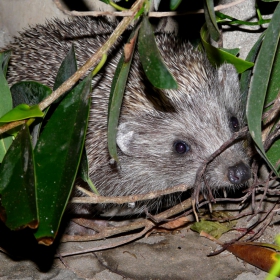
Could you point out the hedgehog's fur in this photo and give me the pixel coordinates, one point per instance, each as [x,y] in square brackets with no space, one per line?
[198,113]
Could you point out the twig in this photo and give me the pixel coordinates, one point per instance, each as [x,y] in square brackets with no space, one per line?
[106,232]
[210,237]
[262,229]
[110,231]
[225,245]
[93,198]
[201,170]
[149,226]
[11,125]
[266,186]
[63,262]
[151,14]
[92,61]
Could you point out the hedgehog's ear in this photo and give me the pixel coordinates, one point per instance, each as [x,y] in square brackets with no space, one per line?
[127,137]
[228,76]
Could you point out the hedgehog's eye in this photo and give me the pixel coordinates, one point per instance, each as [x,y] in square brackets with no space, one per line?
[234,124]
[181,147]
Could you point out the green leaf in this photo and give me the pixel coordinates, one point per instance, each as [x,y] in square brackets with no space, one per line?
[263,87]
[31,93]
[17,184]
[274,81]
[273,154]
[83,172]
[57,156]
[116,97]
[226,19]
[154,68]
[210,19]
[67,68]
[174,4]
[217,56]
[5,61]
[215,229]
[6,102]
[234,52]
[21,112]
[246,75]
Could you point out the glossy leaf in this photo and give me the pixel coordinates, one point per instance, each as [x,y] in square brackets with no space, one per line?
[274,81]
[31,93]
[57,155]
[6,102]
[255,254]
[234,52]
[217,56]
[5,57]
[153,65]
[267,66]
[116,94]
[17,184]
[210,19]
[273,154]
[21,112]
[83,172]
[174,4]
[67,68]
[246,76]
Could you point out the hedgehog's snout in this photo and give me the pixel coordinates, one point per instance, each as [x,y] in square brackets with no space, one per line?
[239,173]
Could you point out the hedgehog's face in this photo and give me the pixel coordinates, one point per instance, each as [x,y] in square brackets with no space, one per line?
[167,152]
[166,149]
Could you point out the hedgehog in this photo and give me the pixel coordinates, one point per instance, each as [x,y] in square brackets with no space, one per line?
[163,135]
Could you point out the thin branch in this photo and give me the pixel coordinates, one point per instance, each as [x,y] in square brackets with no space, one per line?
[201,170]
[93,198]
[11,125]
[92,61]
[111,231]
[266,186]
[149,226]
[265,225]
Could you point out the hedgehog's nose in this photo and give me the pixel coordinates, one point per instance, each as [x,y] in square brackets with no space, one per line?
[239,173]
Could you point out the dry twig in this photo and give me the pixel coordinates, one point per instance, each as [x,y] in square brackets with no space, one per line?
[93,198]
